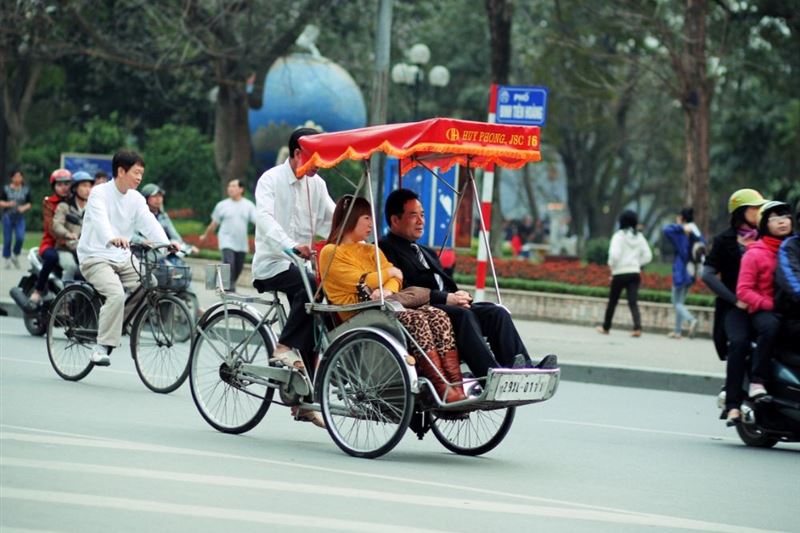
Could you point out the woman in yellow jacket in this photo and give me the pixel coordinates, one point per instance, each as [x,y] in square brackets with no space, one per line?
[342,267]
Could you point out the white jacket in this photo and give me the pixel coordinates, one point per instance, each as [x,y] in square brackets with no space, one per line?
[628,252]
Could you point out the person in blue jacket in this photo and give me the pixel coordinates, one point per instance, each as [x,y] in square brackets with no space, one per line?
[688,245]
[787,284]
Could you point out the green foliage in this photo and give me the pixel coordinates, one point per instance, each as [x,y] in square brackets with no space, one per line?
[646,295]
[597,251]
[181,160]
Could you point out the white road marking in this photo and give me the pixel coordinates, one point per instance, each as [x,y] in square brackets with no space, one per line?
[637,430]
[576,512]
[197,511]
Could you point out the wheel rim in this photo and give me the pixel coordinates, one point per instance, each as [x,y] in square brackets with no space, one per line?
[71,333]
[366,397]
[163,344]
[476,433]
[224,400]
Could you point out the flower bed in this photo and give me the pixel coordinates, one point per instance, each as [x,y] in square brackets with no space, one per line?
[570,272]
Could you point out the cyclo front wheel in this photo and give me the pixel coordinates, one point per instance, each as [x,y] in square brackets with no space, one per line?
[475,434]
[227,402]
[72,332]
[161,343]
[366,397]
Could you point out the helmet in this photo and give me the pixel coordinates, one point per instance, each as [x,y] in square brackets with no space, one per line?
[80,177]
[745,197]
[768,207]
[150,189]
[60,175]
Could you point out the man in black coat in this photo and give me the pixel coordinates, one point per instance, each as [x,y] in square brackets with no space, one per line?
[471,321]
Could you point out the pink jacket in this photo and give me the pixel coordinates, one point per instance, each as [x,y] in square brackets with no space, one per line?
[755,284]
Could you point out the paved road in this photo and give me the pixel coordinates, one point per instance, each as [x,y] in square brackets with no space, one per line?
[106,454]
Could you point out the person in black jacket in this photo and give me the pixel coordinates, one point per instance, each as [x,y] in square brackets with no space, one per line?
[732,330]
[471,321]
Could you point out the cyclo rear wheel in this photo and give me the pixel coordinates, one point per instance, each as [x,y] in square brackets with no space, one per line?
[72,331]
[366,397]
[476,434]
[161,343]
[226,402]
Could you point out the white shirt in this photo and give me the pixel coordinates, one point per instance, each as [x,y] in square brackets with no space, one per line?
[628,252]
[110,214]
[289,212]
[233,217]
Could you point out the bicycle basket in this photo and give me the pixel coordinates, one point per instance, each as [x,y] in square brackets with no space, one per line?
[166,276]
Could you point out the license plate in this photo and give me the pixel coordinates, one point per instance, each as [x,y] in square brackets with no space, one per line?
[521,386]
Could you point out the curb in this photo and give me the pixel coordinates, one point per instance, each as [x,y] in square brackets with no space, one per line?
[643,378]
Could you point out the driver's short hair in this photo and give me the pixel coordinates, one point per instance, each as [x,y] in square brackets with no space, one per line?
[125,159]
[396,202]
[294,138]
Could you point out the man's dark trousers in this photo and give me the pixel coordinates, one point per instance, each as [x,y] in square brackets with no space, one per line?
[495,323]
[299,330]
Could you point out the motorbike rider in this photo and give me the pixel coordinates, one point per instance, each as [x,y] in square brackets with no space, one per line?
[787,283]
[68,220]
[60,182]
[755,288]
[154,196]
[732,334]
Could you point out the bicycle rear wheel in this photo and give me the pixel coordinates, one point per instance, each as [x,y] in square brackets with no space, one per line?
[72,332]
[227,402]
[161,344]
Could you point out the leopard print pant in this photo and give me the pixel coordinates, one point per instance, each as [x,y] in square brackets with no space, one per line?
[430,327]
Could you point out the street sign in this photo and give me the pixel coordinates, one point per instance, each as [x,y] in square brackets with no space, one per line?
[90,163]
[522,106]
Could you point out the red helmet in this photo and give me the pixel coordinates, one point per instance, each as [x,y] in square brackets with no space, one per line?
[60,175]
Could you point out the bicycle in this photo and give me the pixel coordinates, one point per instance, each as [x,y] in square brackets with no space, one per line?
[159,323]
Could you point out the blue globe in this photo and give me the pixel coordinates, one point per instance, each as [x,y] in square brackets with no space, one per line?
[302,88]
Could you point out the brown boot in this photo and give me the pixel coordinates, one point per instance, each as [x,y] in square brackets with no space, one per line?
[454,393]
[451,364]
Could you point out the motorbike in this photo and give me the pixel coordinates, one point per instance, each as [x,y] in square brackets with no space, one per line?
[775,417]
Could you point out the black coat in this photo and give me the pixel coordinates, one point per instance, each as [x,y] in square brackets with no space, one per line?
[726,258]
[400,253]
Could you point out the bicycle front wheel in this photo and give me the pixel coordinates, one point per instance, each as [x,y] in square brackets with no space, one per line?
[476,433]
[161,344]
[72,332]
[226,401]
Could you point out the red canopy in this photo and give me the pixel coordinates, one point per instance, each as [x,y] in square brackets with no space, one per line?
[440,142]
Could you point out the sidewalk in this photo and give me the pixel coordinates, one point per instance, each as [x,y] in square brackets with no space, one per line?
[652,361]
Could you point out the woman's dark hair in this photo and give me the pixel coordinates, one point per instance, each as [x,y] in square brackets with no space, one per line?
[763,228]
[738,218]
[125,159]
[628,220]
[294,138]
[687,214]
[343,223]
[396,203]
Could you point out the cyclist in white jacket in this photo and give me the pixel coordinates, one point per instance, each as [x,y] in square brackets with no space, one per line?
[628,252]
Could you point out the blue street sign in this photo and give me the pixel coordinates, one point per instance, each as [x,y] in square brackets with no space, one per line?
[90,163]
[521,106]
[438,200]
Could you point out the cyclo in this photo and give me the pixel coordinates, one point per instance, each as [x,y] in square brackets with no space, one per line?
[365,384]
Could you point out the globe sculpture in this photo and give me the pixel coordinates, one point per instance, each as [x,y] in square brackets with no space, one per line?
[302,89]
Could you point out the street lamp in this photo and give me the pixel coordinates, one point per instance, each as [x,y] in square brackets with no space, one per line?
[413,75]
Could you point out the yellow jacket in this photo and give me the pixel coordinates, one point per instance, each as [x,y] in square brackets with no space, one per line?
[342,266]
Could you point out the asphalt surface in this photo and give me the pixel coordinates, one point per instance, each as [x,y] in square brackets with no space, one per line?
[107,454]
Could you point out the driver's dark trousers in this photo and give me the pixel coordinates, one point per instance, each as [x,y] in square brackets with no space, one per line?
[299,330]
[489,320]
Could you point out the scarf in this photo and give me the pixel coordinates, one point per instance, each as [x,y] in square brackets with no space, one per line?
[773,243]
[747,233]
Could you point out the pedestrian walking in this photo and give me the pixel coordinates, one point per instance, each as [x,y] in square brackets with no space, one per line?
[628,252]
[15,200]
[232,217]
[686,240]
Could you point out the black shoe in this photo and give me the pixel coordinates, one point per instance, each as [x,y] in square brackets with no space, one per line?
[549,362]
[521,361]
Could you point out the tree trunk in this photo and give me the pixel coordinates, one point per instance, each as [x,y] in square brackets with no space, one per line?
[231,134]
[17,94]
[697,96]
[499,15]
